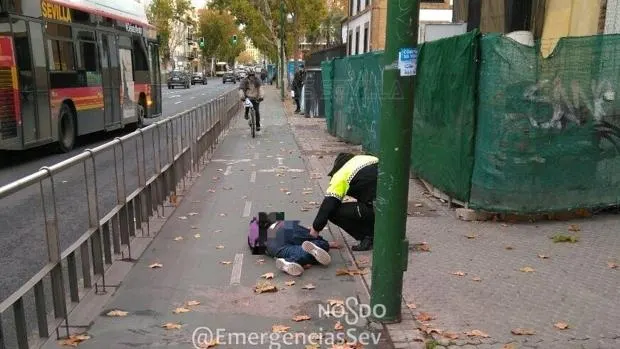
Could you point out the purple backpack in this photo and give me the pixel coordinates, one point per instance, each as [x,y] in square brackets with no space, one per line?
[257,234]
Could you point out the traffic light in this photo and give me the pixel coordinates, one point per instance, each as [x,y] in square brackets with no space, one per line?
[202,42]
[234,39]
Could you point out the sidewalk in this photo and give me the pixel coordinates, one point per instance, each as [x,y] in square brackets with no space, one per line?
[201,266]
[474,275]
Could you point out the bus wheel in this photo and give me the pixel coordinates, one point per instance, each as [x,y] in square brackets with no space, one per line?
[66,129]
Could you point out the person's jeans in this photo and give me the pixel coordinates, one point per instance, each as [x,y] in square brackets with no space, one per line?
[295,254]
[247,110]
[357,219]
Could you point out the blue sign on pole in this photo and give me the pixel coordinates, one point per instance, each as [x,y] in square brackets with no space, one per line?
[407,61]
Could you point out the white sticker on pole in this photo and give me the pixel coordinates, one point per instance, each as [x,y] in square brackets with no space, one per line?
[407,61]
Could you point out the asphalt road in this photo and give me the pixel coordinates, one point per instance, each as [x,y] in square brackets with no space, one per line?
[22,239]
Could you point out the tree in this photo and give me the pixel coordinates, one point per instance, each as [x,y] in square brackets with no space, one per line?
[166,15]
[217,28]
[245,58]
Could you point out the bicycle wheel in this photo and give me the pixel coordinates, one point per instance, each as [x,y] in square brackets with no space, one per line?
[253,122]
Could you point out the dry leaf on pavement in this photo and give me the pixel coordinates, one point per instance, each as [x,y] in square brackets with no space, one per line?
[279,328]
[561,325]
[422,247]
[181,310]
[612,265]
[210,344]
[267,276]
[333,302]
[265,287]
[182,218]
[527,269]
[192,303]
[173,199]
[523,331]
[509,248]
[197,236]
[178,238]
[459,273]
[226,262]
[363,260]
[471,236]
[117,313]
[298,318]
[289,283]
[351,272]
[450,335]
[338,326]
[156,265]
[477,333]
[304,209]
[74,340]
[309,287]
[574,227]
[423,316]
[509,346]
[192,214]
[411,305]
[429,330]
[171,326]
[219,247]
[476,278]
[543,256]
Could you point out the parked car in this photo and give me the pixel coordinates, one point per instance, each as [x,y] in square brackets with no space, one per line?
[179,78]
[229,76]
[199,78]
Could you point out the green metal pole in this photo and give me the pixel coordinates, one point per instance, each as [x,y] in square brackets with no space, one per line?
[282,50]
[390,244]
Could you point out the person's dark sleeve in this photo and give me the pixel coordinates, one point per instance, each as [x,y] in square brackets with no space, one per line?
[328,206]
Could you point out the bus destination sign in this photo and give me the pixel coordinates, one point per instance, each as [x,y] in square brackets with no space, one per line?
[55,12]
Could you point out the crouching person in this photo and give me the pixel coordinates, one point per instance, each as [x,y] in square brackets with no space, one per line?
[294,247]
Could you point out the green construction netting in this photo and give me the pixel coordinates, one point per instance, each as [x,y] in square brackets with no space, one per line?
[356,97]
[444,114]
[327,75]
[547,128]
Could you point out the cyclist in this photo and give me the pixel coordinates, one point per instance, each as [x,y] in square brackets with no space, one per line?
[251,87]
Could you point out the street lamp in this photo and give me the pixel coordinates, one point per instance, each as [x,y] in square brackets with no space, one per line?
[289,18]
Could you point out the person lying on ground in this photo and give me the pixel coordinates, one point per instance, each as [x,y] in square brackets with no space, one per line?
[296,248]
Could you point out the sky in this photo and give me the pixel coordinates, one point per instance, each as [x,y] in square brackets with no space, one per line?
[198,3]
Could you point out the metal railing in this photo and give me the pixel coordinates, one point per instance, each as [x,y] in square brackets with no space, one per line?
[181,145]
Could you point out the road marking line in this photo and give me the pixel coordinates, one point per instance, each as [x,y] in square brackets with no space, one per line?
[282,170]
[235,277]
[228,170]
[231,162]
[253,177]
[280,161]
[179,102]
[247,209]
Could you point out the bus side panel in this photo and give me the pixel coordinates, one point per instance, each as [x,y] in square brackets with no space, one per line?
[142,85]
[10,113]
[88,104]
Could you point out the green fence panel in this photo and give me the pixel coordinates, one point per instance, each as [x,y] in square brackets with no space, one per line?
[357,88]
[547,128]
[442,148]
[327,75]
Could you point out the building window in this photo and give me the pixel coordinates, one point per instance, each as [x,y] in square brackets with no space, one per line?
[351,8]
[367,3]
[366,38]
[350,42]
[357,40]
[359,6]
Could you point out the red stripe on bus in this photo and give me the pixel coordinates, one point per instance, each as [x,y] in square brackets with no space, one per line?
[80,96]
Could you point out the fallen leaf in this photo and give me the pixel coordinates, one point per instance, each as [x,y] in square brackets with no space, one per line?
[411,306]
[219,247]
[429,330]
[523,331]
[210,344]
[311,346]
[117,313]
[299,318]
[156,265]
[279,328]
[477,333]
[542,256]
[612,265]
[197,236]
[527,269]
[471,236]
[226,262]
[304,209]
[418,205]
[211,190]
[422,247]
[424,317]
[351,272]
[450,335]
[181,310]
[192,303]
[561,325]
[267,276]
[289,283]
[74,340]
[476,278]
[222,214]
[509,346]
[182,218]
[574,227]
[171,326]
[260,261]
[509,248]
[191,214]
[363,260]
[459,273]
[178,238]
[265,287]
[333,302]
[564,238]
[173,199]
[338,326]
[309,287]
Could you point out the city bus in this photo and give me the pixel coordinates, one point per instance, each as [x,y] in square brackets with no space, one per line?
[221,68]
[73,67]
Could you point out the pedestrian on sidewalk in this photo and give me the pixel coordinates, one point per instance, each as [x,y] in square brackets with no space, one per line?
[295,247]
[354,176]
[251,87]
[298,83]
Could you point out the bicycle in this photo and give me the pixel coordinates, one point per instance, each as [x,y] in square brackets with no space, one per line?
[252,115]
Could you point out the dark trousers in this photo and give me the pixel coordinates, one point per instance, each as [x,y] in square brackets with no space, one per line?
[295,254]
[247,110]
[290,247]
[357,219]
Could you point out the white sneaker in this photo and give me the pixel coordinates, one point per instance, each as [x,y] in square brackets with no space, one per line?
[318,253]
[290,268]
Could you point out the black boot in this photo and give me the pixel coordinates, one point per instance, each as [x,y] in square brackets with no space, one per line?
[364,245]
